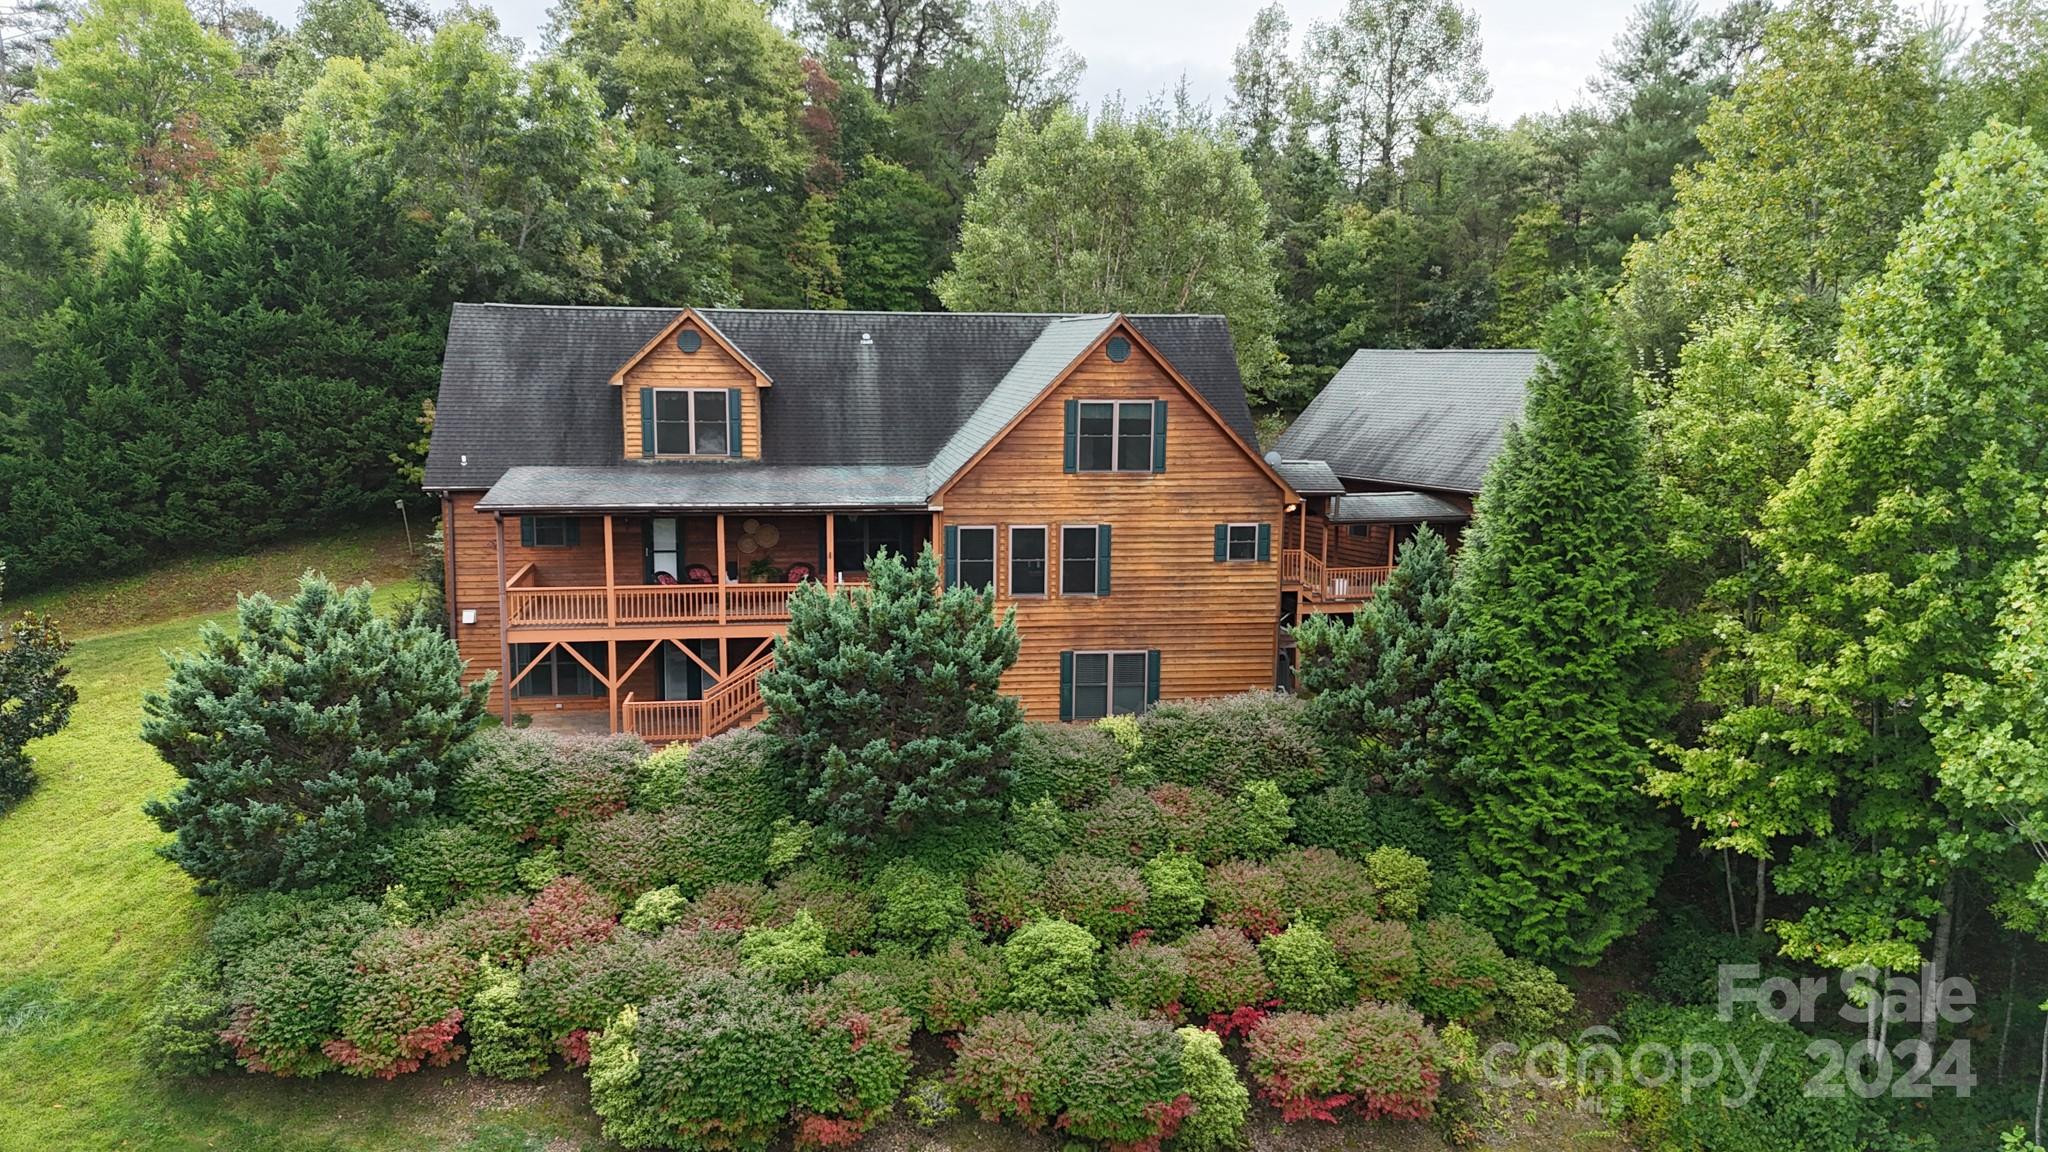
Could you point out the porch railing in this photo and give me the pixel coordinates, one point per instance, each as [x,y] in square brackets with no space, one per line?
[1330,584]
[528,606]
[735,698]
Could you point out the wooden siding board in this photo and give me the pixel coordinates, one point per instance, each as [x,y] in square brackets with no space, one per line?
[708,367]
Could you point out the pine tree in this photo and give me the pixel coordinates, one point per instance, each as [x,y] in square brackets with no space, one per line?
[1389,679]
[1556,579]
[35,701]
[885,704]
[305,738]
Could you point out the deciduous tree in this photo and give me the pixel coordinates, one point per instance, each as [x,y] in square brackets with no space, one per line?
[35,699]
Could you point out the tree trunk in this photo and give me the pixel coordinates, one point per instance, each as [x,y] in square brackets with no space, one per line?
[1728,872]
[2041,1085]
[2005,1033]
[1931,972]
[1762,867]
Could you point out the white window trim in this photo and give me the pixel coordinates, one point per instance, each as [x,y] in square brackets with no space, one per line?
[1144,655]
[1010,568]
[1096,560]
[689,425]
[1116,439]
[1228,529]
[995,556]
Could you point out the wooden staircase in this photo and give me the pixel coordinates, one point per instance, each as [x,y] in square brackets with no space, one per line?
[734,703]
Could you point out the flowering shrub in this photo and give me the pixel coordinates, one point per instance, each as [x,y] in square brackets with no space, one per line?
[1375,1059]
[1324,886]
[568,912]
[1103,896]
[1248,896]
[1224,973]
[734,906]
[1051,964]
[533,786]
[967,981]
[441,862]
[1306,973]
[1460,968]
[1038,831]
[720,1063]
[1145,977]
[1004,893]
[1124,1085]
[1012,1066]
[1220,1100]
[1221,743]
[792,954]
[917,906]
[1174,892]
[860,1059]
[1124,825]
[504,1043]
[1196,821]
[1402,880]
[1379,955]
[1067,764]
[401,1008]
[844,906]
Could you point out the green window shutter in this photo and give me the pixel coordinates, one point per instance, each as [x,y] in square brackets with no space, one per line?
[1151,677]
[732,421]
[1265,542]
[647,421]
[1066,686]
[1102,560]
[952,556]
[526,531]
[1073,430]
[573,534]
[1159,435]
[647,557]
[1222,543]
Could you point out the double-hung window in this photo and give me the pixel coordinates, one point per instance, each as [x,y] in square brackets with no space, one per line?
[1109,684]
[1241,542]
[1027,561]
[548,531]
[976,563]
[559,673]
[1114,436]
[691,422]
[1083,563]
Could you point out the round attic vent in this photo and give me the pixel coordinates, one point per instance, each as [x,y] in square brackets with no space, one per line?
[689,340]
[1119,349]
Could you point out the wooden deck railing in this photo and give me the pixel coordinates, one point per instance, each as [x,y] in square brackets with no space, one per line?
[529,606]
[735,698]
[1331,584]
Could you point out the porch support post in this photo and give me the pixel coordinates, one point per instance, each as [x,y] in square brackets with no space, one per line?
[611,661]
[1326,541]
[721,568]
[504,623]
[831,554]
[1390,546]
[611,590]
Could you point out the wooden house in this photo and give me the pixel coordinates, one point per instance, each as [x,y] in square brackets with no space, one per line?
[630,497]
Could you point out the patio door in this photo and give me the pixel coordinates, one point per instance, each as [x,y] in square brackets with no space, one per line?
[664,548]
[681,677]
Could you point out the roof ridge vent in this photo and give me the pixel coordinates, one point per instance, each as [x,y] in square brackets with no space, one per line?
[867,337]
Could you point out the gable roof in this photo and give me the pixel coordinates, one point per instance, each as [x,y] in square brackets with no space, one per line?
[1059,344]
[1418,417]
[529,385]
[710,329]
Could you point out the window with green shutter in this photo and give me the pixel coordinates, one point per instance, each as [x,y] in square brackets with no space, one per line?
[1110,683]
[1116,436]
[691,421]
[1237,543]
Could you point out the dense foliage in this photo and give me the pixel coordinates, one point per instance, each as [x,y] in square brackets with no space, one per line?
[35,696]
[306,738]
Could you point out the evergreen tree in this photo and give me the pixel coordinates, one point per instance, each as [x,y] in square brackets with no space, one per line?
[1556,580]
[885,704]
[35,700]
[1390,679]
[305,738]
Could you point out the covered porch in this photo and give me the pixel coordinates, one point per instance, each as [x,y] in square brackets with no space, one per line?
[1339,549]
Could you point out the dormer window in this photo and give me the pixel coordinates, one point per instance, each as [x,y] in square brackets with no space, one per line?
[692,422]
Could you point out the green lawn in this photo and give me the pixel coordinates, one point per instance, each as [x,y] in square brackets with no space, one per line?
[92,918]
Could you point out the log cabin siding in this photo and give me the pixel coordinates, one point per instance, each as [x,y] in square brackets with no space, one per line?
[710,366]
[1214,624]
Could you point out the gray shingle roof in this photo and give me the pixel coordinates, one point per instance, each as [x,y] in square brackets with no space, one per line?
[1395,508]
[529,385]
[1431,419]
[1057,346]
[633,487]
[1306,477]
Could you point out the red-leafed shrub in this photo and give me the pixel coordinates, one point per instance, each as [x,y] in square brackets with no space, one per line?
[1004,893]
[1373,1059]
[860,1059]
[402,1007]
[287,962]
[844,905]
[535,786]
[580,989]
[1323,886]
[1249,897]
[1461,968]
[967,982]
[568,912]
[1379,955]
[1224,972]
[1123,825]
[1145,977]
[1103,895]
[1011,1066]
[1196,821]
[1124,1086]
[737,907]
